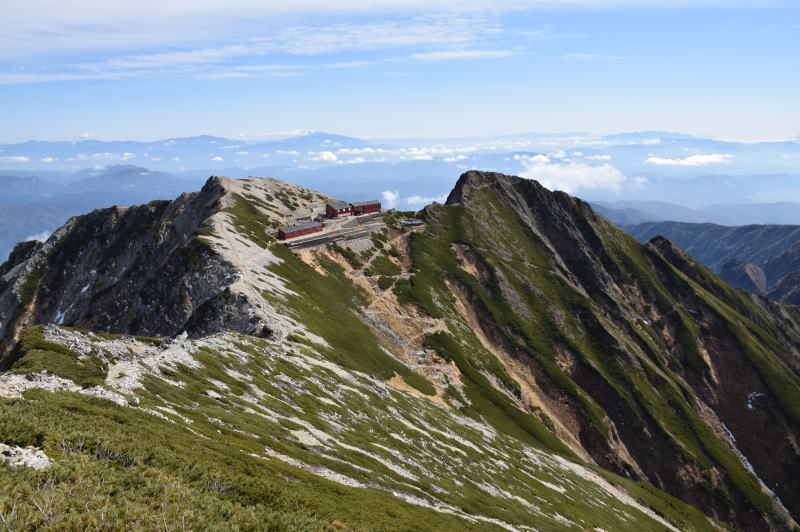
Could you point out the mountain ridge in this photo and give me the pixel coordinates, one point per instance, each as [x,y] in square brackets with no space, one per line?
[512,306]
[759,258]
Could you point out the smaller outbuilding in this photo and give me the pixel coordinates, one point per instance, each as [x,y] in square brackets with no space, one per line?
[411,223]
[366,207]
[299,230]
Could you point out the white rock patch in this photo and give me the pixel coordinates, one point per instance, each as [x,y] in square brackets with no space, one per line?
[24,456]
[12,385]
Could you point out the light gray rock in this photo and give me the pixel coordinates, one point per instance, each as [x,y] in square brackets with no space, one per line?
[24,457]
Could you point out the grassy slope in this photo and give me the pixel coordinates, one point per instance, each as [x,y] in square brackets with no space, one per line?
[509,251]
[118,467]
[326,303]
[203,464]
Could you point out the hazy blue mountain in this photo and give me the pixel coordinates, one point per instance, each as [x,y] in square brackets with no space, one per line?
[756,183]
[714,245]
[650,211]
[175,154]
[756,213]
[621,217]
[634,154]
[18,190]
[32,207]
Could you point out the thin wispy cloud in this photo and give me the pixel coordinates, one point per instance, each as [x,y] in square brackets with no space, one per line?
[155,38]
[429,31]
[693,160]
[589,57]
[255,54]
[462,54]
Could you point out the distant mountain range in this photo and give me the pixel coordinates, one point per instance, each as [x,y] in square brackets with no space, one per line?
[629,177]
[646,158]
[514,363]
[32,207]
[629,212]
[760,258]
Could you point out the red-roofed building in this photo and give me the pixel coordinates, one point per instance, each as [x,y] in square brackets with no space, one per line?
[299,230]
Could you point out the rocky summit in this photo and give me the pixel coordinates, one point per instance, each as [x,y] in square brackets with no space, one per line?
[508,360]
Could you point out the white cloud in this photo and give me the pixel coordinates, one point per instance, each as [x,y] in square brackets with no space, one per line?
[242,153]
[390,198]
[81,26]
[48,160]
[41,237]
[276,134]
[86,136]
[415,201]
[455,158]
[692,160]
[539,158]
[462,54]
[225,75]
[324,156]
[127,156]
[219,61]
[588,57]
[356,151]
[572,176]
[216,158]
[598,157]
[354,160]
[15,159]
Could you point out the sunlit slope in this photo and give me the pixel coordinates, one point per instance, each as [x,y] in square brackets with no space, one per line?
[635,356]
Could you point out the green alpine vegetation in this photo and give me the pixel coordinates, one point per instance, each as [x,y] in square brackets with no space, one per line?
[514,363]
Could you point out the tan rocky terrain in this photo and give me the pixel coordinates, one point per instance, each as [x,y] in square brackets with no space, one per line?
[514,363]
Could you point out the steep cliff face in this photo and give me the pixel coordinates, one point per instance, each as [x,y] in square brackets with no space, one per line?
[516,336]
[157,269]
[640,358]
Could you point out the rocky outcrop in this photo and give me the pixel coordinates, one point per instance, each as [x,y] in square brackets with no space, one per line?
[658,361]
[562,332]
[153,270]
[23,456]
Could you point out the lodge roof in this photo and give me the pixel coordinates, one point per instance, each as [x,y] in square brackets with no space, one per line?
[300,227]
[338,204]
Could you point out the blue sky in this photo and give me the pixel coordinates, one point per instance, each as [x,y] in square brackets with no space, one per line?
[157,69]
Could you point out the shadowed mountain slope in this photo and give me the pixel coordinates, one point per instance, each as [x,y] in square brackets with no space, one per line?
[516,362]
[759,258]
